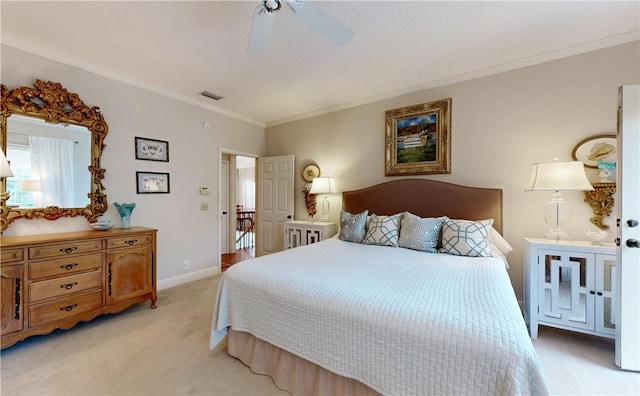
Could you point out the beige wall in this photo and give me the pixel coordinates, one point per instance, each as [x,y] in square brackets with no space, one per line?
[185,232]
[501,124]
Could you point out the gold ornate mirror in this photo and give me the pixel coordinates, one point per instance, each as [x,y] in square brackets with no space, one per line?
[25,112]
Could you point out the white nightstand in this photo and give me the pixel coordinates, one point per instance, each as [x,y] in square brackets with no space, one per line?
[570,285]
[299,232]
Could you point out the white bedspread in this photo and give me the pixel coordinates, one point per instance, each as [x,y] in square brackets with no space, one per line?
[400,321]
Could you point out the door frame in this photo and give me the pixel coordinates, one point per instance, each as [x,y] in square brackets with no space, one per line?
[628,271]
[231,226]
[224,202]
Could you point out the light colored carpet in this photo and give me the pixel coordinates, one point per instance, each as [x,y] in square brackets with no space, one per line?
[140,351]
[165,352]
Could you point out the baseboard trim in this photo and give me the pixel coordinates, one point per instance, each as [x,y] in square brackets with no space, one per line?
[186,278]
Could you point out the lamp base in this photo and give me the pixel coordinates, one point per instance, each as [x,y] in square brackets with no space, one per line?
[557,235]
[557,215]
[4,197]
[325,209]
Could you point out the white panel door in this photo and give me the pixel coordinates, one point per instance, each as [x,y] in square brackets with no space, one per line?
[274,206]
[628,274]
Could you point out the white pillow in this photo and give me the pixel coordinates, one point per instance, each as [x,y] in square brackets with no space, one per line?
[499,242]
[466,238]
[419,233]
[499,246]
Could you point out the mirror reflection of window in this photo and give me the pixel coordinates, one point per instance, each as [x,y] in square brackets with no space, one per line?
[57,155]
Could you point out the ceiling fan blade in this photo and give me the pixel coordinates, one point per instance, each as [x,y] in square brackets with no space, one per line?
[260,31]
[321,21]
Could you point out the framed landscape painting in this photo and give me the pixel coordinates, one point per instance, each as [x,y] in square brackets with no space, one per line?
[417,139]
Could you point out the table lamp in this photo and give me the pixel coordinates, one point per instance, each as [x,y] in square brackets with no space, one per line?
[558,176]
[323,185]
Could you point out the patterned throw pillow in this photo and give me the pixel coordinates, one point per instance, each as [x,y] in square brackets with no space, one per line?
[419,233]
[353,226]
[383,230]
[466,238]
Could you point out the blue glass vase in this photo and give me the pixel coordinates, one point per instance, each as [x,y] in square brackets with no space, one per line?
[125,210]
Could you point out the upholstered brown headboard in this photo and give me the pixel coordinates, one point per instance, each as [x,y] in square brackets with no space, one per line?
[427,198]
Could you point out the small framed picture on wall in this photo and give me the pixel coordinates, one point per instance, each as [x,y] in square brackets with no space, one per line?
[152,183]
[152,149]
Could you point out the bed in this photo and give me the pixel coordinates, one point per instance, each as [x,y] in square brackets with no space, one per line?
[342,317]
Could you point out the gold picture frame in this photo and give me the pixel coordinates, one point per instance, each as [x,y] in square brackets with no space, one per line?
[417,139]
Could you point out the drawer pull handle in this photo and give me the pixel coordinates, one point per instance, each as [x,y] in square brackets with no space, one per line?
[68,267]
[131,241]
[68,250]
[68,286]
[69,308]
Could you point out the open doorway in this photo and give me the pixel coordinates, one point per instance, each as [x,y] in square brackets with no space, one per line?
[238,198]
[245,203]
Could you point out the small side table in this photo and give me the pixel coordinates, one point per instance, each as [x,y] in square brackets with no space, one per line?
[300,232]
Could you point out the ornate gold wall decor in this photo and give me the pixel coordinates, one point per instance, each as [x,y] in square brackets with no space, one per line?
[601,201]
[51,102]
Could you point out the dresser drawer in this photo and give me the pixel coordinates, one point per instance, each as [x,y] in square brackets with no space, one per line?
[65,266]
[63,308]
[133,240]
[64,249]
[11,254]
[64,286]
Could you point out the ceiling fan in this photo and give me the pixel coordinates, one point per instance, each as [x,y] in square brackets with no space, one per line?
[313,16]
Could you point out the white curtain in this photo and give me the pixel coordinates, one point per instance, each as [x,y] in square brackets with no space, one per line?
[247,187]
[52,163]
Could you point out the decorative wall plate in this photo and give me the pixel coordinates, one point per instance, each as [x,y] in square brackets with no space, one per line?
[590,150]
[310,172]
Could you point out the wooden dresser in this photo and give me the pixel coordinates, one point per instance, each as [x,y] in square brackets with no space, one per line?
[57,280]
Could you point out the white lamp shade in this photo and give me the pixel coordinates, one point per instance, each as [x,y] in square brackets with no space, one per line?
[558,176]
[30,185]
[5,169]
[322,185]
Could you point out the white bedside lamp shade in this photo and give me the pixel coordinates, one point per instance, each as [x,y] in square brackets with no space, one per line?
[35,186]
[5,169]
[558,176]
[30,185]
[323,185]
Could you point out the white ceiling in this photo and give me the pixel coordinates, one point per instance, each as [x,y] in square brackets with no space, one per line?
[180,48]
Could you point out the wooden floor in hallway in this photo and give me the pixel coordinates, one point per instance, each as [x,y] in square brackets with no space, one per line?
[229,259]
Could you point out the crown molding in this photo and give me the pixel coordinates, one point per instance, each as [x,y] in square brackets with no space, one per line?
[500,68]
[484,72]
[129,81]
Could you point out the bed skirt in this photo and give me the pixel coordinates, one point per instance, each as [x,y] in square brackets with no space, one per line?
[290,372]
